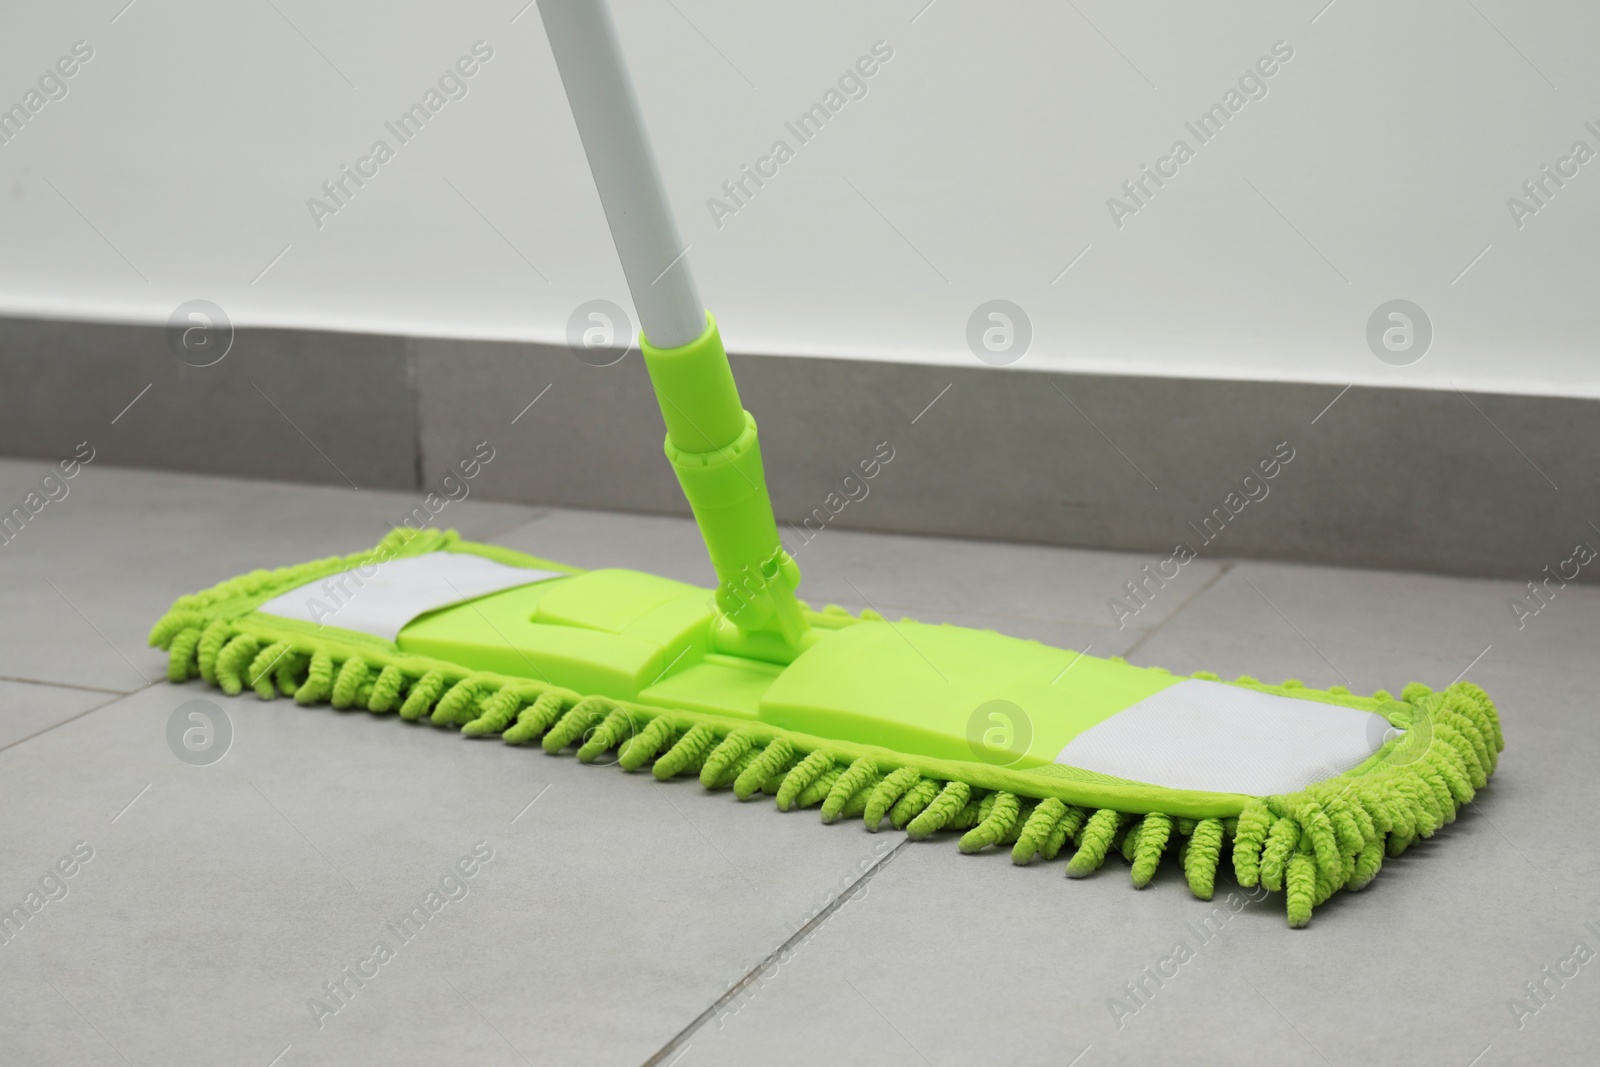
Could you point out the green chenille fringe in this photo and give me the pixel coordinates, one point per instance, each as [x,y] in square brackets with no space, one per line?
[1333,835]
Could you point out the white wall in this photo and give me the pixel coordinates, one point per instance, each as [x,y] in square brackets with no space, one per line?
[990,144]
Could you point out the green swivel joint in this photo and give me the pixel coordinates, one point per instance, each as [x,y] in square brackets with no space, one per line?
[714,450]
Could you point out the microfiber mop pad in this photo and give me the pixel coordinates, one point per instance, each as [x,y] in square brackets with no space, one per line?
[932,728]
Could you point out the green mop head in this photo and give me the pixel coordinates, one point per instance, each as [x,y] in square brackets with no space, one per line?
[936,728]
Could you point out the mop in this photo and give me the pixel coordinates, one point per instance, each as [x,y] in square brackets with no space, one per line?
[932,728]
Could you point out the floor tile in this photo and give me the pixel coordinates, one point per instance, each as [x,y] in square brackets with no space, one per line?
[1369,629]
[1025,581]
[659,544]
[219,898]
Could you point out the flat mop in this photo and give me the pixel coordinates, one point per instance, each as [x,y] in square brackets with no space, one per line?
[932,727]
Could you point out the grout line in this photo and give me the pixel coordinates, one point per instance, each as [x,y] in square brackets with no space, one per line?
[510,524]
[419,459]
[66,685]
[73,718]
[662,1054]
[1223,568]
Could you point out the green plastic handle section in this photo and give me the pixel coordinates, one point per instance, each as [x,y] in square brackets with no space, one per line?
[715,451]
[694,386]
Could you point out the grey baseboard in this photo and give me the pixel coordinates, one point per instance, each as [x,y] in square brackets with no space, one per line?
[1388,478]
[294,405]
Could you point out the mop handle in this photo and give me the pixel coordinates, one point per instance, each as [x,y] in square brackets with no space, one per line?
[600,90]
[711,440]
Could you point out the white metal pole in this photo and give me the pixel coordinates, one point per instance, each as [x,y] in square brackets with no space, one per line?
[589,58]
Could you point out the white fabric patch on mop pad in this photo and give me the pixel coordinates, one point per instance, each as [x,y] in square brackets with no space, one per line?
[1226,739]
[391,594]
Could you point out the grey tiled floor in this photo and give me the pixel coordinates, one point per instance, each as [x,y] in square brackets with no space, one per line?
[621,921]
